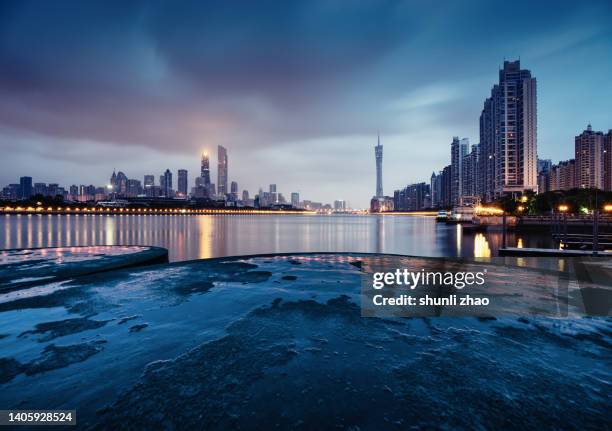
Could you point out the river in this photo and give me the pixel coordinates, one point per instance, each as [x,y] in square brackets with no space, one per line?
[202,236]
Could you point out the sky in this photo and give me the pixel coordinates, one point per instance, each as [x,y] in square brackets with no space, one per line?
[296,91]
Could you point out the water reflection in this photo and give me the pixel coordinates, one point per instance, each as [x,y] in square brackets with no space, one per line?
[481,246]
[203,236]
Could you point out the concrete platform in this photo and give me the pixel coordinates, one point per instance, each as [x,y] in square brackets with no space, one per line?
[279,342]
[21,268]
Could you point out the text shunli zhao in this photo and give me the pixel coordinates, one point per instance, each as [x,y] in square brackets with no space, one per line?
[414,279]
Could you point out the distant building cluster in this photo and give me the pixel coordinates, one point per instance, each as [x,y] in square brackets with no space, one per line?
[25,189]
[122,189]
[505,160]
[591,167]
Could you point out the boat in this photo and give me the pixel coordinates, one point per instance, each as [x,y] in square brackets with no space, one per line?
[441,216]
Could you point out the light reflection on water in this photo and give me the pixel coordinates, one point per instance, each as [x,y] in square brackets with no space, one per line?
[202,236]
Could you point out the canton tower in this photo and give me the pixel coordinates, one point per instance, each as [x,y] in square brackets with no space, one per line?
[378,151]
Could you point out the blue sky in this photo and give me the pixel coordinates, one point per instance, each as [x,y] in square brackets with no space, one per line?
[295,90]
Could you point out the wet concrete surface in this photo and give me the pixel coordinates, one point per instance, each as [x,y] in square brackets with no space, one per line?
[278,342]
[22,268]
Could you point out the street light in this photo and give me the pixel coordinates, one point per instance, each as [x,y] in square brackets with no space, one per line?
[608,208]
[563,208]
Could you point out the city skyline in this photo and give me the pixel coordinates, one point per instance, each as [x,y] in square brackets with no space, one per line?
[306,113]
[121,187]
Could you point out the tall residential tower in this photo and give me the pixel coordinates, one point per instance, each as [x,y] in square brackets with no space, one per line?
[459,149]
[589,147]
[508,134]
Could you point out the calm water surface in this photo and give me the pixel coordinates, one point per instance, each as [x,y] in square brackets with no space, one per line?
[202,236]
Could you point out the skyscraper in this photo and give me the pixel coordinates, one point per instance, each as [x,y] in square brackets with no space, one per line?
[459,149]
[508,133]
[166,183]
[273,196]
[471,187]
[25,186]
[205,170]
[182,183]
[234,191]
[378,153]
[120,186]
[589,146]
[112,183]
[445,194]
[222,170]
[488,139]
[435,185]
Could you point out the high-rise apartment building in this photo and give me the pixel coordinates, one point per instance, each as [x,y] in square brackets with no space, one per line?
[562,176]
[508,134]
[413,197]
[471,182]
[459,149]
[607,170]
[435,187]
[222,170]
[589,156]
[445,195]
